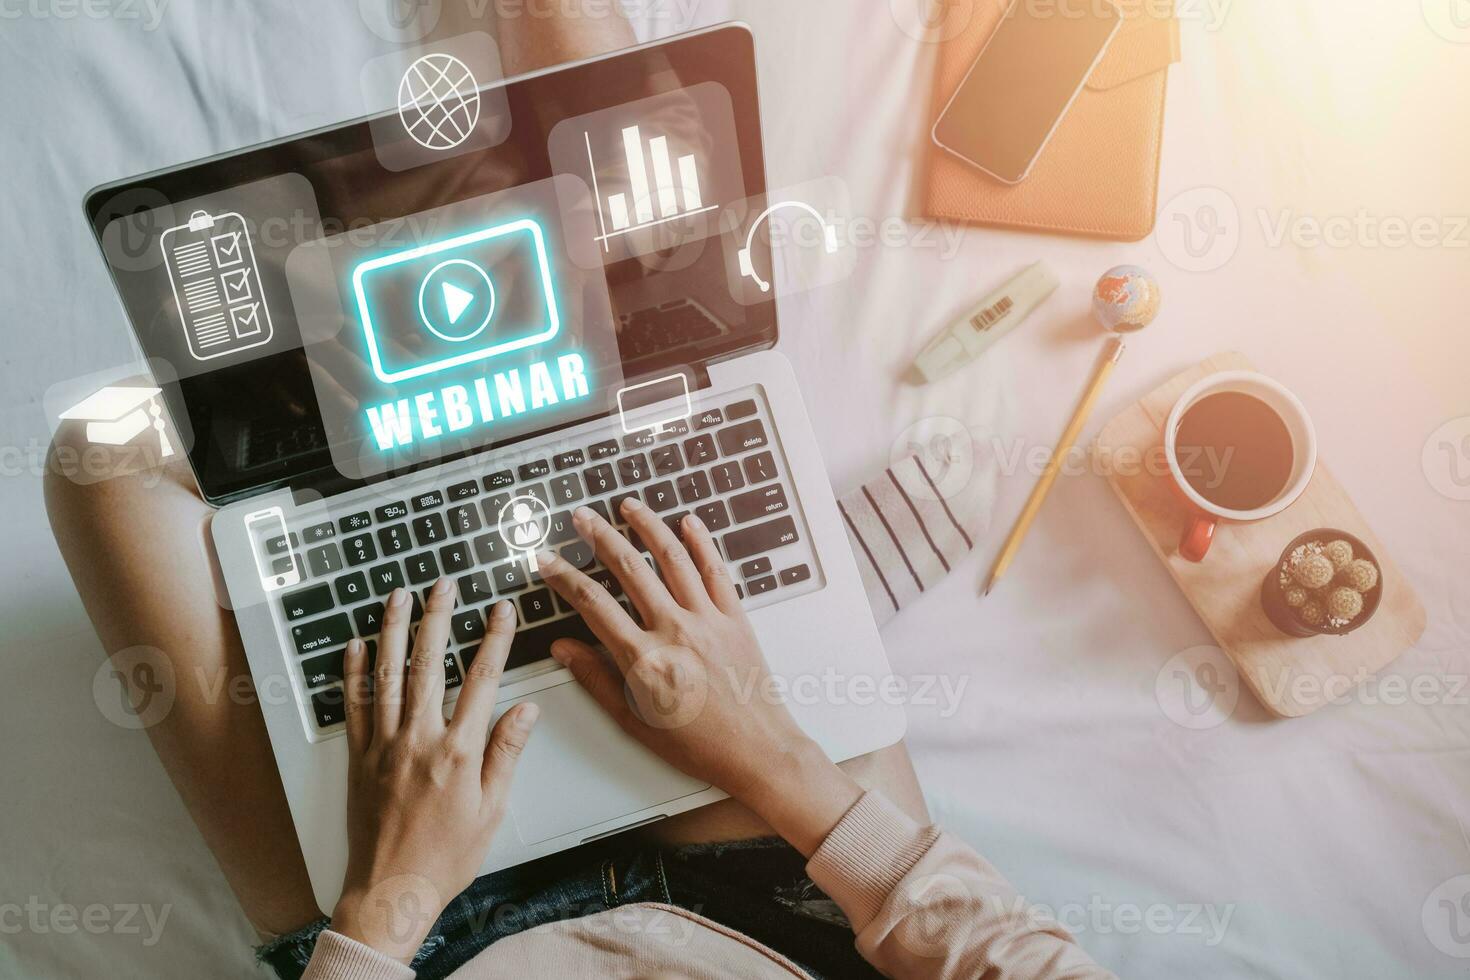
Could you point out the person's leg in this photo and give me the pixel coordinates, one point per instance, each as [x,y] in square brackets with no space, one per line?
[135,547]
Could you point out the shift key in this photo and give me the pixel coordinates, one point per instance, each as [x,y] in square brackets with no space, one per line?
[319,634]
[760,538]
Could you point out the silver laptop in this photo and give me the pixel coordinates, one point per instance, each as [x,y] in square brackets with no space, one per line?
[375,365]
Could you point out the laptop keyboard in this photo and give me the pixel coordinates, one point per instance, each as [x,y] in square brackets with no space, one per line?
[722,464]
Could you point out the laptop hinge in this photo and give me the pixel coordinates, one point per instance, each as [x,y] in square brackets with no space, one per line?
[631,826]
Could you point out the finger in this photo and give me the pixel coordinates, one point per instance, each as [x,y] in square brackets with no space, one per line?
[711,564]
[598,609]
[625,561]
[358,703]
[476,704]
[388,674]
[598,676]
[507,741]
[674,564]
[426,665]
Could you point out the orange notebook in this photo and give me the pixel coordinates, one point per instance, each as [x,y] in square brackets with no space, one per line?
[1099,175]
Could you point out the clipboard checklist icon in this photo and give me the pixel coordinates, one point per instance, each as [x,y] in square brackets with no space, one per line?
[216,283]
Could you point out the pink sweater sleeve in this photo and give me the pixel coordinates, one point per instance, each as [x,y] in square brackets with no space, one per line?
[923,904]
[338,958]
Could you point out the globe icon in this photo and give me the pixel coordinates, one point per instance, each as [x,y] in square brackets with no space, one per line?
[439,101]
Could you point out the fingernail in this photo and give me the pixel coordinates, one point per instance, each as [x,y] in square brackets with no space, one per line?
[632,503]
[693,523]
[399,597]
[544,558]
[354,647]
[582,515]
[443,586]
[526,715]
[503,609]
[559,653]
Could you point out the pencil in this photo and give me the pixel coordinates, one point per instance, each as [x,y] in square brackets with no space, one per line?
[1008,552]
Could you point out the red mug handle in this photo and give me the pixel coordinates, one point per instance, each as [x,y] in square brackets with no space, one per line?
[1198,536]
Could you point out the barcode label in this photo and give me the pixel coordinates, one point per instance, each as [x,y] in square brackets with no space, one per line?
[987,318]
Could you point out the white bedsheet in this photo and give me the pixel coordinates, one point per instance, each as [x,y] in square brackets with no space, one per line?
[1307,848]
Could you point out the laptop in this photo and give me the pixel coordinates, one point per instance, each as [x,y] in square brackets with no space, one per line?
[374,367]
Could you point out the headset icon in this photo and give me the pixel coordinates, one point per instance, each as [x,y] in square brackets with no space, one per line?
[747,264]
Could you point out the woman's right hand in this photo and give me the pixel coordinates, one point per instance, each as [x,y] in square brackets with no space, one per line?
[691,683]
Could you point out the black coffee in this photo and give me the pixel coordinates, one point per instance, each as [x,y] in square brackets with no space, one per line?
[1234,450]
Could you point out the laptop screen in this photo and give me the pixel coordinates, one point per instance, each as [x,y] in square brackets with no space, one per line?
[357,302]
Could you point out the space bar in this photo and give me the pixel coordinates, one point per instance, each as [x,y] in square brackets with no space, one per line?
[534,643]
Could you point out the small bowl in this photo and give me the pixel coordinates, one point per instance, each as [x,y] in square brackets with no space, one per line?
[1282,616]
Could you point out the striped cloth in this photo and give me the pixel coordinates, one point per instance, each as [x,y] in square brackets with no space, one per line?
[905,533]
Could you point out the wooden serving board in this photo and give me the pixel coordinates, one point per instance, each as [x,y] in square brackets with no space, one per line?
[1291,677]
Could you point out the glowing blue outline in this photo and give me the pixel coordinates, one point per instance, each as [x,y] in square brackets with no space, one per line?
[397,258]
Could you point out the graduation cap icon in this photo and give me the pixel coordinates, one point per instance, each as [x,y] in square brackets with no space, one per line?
[115,416]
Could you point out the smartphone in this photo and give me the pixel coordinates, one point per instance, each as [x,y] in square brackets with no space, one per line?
[1026,78]
[271,544]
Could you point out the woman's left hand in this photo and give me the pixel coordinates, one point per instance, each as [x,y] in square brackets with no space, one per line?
[424,796]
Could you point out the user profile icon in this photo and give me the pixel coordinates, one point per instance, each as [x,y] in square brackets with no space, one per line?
[525,524]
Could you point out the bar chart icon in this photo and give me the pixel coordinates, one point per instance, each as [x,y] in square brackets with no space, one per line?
[660,188]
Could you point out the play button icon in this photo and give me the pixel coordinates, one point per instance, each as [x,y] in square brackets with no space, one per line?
[456,300]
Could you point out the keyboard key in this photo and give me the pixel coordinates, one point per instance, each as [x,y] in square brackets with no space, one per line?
[565,461]
[666,460]
[509,576]
[659,496]
[728,477]
[758,503]
[795,574]
[534,643]
[561,529]
[675,523]
[536,606]
[464,491]
[539,492]
[740,410]
[601,509]
[600,479]
[633,469]
[603,450]
[760,468]
[391,512]
[617,507]
[456,558]
[700,450]
[468,626]
[354,522]
[319,634]
[422,568]
[386,578]
[429,529]
[326,669]
[492,506]
[307,602]
[534,470]
[754,567]
[714,515]
[761,586]
[428,501]
[500,480]
[578,554]
[566,490]
[417,613]
[605,578]
[277,545]
[742,438]
[760,538]
[330,707]
[351,587]
[369,618]
[318,533]
[394,539]
[324,560]
[638,440]
[709,417]
[693,487]
[452,677]
[475,588]
[490,548]
[677,429]
[464,519]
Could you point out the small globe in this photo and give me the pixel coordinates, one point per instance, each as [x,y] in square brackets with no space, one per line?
[1126,299]
[439,101]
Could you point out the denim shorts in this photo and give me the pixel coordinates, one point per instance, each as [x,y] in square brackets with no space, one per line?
[758,887]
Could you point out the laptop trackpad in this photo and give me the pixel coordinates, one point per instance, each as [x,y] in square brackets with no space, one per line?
[579,770]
